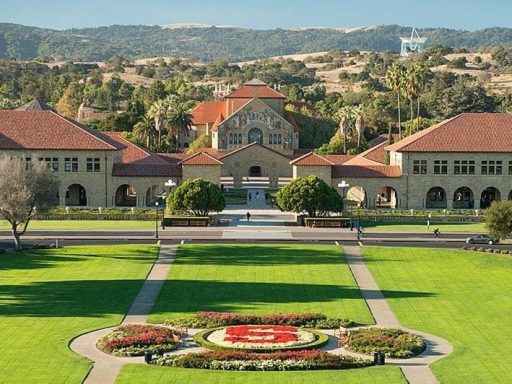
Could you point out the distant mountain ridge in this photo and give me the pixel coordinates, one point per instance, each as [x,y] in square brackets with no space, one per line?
[227,42]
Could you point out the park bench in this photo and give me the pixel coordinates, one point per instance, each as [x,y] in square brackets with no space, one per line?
[198,223]
[180,223]
[333,224]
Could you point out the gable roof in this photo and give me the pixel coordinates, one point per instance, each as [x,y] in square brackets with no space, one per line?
[467,132]
[251,145]
[45,129]
[255,88]
[201,158]
[207,112]
[311,159]
[35,105]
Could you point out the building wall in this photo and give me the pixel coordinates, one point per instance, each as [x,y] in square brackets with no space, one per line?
[372,187]
[273,165]
[205,172]
[323,172]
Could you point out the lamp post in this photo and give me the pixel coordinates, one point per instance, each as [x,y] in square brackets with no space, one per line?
[168,184]
[343,185]
[156,220]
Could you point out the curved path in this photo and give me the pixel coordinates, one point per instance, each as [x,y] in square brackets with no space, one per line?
[106,367]
[416,370]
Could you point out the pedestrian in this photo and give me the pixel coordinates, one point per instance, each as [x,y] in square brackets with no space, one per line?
[428,224]
[248,216]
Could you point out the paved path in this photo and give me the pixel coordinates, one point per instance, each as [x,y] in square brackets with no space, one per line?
[107,367]
[416,370]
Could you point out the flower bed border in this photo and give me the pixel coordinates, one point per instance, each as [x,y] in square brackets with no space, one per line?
[200,338]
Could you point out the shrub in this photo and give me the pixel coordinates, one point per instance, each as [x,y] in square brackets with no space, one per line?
[497,250]
[134,340]
[480,249]
[276,361]
[488,250]
[393,342]
[223,319]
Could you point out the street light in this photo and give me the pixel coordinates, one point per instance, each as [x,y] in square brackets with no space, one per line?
[170,183]
[156,220]
[343,185]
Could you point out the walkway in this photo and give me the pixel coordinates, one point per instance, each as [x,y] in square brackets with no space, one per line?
[107,367]
[416,370]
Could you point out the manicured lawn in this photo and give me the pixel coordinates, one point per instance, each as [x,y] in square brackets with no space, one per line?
[92,225]
[146,374]
[462,296]
[419,228]
[48,297]
[260,279]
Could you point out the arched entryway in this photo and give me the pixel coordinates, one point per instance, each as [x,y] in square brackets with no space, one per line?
[355,197]
[510,195]
[489,195]
[76,195]
[154,194]
[255,135]
[387,198]
[255,171]
[463,198]
[126,196]
[436,198]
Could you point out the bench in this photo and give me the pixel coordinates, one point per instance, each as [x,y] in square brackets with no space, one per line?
[180,223]
[333,224]
[198,223]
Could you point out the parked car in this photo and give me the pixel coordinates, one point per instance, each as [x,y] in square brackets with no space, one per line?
[482,239]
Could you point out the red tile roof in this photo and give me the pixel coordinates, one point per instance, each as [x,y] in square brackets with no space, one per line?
[250,91]
[217,122]
[468,132]
[207,112]
[339,171]
[338,159]
[45,129]
[311,159]
[173,158]
[201,158]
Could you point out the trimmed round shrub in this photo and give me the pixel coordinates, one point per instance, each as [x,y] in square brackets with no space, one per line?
[276,361]
[393,342]
[134,340]
[201,339]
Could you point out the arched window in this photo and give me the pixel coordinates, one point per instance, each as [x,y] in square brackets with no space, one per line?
[255,135]
[279,139]
[239,138]
[275,138]
[270,139]
[230,138]
[235,139]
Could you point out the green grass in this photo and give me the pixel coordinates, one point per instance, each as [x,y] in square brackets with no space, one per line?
[461,296]
[419,228]
[93,225]
[236,197]
[260,279]
[154,374]
[49,297]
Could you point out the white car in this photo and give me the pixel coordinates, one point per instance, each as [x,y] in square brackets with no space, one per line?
[482,239]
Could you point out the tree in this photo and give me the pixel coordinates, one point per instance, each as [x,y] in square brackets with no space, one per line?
[145,131]
[70,101]
[309,195]
[179,121]
[334,146]
[202,141]
[394,81]
[159,111]
[360,127]
[498,219]
[345,114]
[390,141]
[199,197]
[24,188]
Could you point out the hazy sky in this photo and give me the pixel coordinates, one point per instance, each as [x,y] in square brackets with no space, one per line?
[262,14]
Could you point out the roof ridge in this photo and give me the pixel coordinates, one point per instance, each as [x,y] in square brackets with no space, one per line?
[312,153]
[199,154]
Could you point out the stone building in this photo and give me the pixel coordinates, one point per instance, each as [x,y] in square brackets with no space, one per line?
[464,162]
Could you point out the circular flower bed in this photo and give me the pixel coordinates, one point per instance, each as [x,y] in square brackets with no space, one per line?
[260,338]
[393,342]
[134,340]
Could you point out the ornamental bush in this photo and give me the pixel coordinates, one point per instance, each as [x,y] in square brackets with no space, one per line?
[276,361]
[393,342]
[223,319]
[134,340]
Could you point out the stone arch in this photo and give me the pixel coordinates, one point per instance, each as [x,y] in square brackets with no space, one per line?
[436,198]
[463,198]
[356,196]
[387,198]
[489,195]
[154,194]
[76,196]
[126,196]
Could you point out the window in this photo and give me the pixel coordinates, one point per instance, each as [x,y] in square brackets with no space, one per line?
[440,167]
[28,160]
[235,139]
[275,138]
[93,164]
[419,167]
[230,138]
[55,164]
[492,167]
[279,139]
[270,139]
[510,167]
[71,164]
[239,138]
[464,167]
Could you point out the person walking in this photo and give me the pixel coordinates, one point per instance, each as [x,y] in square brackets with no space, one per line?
[248,216]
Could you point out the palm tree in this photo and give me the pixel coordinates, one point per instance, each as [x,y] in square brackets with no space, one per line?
[145,130]
[360,127]
[159,111]
[345,114]
[394,76]
[409,88]
[179,121]
[420,74]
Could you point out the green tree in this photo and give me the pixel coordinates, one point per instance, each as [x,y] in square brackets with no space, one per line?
[24,187]
[498,219]
[199,197]
[159,111]
[394,81]
[345,114]
[70,101]
[309,195]
[145,131]
[179,121]
[202,141]
[334,146]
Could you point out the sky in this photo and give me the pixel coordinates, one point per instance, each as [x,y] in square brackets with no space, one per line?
[260,14]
